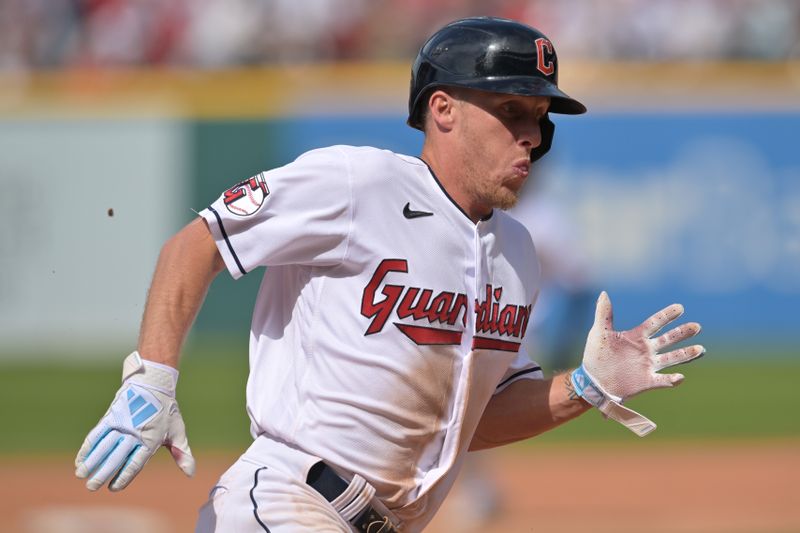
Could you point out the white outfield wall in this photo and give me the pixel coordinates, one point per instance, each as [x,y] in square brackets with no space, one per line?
[71,276]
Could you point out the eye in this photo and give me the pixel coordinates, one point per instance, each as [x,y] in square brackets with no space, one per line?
[509,108]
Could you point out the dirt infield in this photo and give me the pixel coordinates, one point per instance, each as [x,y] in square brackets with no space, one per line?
[733,488]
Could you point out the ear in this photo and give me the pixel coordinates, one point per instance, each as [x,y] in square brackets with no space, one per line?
[441,110]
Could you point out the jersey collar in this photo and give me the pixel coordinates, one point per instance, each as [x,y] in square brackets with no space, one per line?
[439,183]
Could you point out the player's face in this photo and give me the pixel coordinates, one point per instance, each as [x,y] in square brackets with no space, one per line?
[496,134]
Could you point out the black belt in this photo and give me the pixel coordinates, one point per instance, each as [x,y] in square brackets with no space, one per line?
[327,482]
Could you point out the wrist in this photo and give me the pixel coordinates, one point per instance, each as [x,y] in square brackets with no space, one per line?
[611,406]
[588,389]
[158,376]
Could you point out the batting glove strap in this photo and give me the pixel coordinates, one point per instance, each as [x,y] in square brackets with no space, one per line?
[611,406]
[148,374]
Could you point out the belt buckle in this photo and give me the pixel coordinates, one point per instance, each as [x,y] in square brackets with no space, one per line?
[370,521]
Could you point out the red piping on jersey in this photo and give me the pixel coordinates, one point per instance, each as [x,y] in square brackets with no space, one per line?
[485,343]
[430,336]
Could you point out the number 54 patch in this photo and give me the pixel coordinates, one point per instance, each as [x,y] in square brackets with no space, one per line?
[245,198]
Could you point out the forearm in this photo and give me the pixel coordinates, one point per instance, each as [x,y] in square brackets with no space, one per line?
[527,408]
[186,266]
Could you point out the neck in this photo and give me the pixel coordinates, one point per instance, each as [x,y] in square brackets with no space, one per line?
[450,171]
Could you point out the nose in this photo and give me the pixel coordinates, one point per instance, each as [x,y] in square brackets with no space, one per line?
[530,134]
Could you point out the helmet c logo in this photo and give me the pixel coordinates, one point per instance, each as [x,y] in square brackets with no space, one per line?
[546,67]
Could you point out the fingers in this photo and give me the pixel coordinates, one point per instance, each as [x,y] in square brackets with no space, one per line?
[184,459]
[676,335]
[604,314]
[134,464]
[107,458]
[661,319]
[178,445]
[94,450]
[663,381]
[677,357]
[115,459]
[86,448]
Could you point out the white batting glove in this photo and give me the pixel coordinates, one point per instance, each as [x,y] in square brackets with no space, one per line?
[618,365]
[143,416]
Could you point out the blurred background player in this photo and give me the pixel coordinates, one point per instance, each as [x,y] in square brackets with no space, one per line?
[564,307]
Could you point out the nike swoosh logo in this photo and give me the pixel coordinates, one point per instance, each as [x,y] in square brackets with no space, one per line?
[410,213]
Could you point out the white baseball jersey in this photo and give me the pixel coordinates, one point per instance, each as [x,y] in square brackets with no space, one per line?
[386,318]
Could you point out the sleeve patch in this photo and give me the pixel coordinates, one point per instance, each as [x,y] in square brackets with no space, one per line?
[246,198]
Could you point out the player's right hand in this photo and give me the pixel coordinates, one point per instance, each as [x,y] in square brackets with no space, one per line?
[143,416]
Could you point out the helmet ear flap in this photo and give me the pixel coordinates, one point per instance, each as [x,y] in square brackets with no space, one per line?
[547,129]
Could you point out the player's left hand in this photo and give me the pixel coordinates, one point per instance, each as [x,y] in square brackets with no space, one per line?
[626,363]
[618,365]
[143,416]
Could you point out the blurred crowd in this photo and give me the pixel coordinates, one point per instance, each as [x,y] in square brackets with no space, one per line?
[55,34]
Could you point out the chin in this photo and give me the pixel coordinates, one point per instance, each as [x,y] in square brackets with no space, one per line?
[506,201]
[505,206]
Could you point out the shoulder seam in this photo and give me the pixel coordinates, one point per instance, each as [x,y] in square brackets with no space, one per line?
[350,203]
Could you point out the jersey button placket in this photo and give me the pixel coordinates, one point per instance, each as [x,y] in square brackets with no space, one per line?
[477,261]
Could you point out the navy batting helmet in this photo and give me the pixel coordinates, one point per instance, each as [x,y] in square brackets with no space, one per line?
[495,55]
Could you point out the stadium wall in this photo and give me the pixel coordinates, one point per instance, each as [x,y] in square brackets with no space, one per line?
[683,181]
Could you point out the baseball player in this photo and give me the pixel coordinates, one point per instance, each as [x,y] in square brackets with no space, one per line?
[385,340]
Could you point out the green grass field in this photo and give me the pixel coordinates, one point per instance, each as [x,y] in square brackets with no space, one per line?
[49,407]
